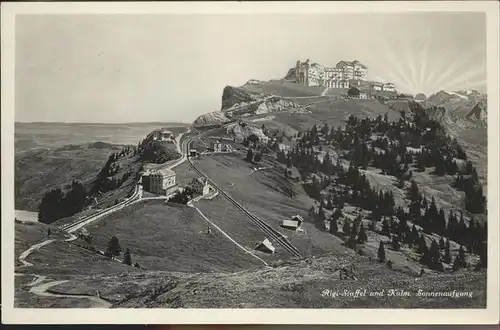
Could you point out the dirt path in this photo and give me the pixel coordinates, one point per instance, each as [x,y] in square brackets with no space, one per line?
[42,291]
[25,254]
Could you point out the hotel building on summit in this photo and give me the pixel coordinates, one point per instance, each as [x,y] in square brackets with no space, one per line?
[307,73]
[313,74]
[352,70]
[344,74]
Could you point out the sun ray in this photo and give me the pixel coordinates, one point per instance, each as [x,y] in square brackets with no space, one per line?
[396,64]
[395,77]
[451,69]
[434,67]
[468,75]
[410,57]
[424,56]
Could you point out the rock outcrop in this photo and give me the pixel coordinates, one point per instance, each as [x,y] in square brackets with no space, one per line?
[478,114]
[232,96]
[275,104]
[210,119]
[242,131]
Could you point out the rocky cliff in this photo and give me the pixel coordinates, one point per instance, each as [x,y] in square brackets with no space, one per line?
[478,114]
[275,104]
[242,131]
[210,119]
[232,96]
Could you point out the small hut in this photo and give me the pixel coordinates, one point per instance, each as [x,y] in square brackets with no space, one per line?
[265,246]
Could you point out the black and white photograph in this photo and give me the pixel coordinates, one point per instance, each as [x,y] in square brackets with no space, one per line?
[251,160]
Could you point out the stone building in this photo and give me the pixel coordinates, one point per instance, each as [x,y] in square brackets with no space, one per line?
[307,73]
[356,93]
[217,146]
[200,186]
[160,182]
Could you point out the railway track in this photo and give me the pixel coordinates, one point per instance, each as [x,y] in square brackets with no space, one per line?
[76,225]
[266,228]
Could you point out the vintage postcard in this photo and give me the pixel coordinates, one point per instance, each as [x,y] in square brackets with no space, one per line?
[250,162]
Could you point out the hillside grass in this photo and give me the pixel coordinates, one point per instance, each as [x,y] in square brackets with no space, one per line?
[265,194]
[30,233]
[238,226]
[333,112]
[41,170]
[283,88]
[297,284]
[70,259]
[170,237]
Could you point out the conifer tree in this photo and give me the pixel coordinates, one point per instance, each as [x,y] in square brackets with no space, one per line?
[346,228]
[362,238]
[329,204]
[435,256]
[395,243]
[459,261]
[381,252]
[447,255]
[113,248]
[249,156]
[425,257]
[354,230]
[441,243]
[413,235]
[127,259]
[321,212]
[386,230]
[333,226]
[483,256]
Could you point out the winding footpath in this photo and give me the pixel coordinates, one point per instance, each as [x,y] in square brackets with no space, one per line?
[41,289]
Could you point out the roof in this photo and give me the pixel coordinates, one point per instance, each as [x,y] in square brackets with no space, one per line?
[290,223]
[267,244]
[164,172]
[355,62]
[201,180]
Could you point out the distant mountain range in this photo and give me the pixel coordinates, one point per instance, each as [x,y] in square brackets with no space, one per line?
[466,108]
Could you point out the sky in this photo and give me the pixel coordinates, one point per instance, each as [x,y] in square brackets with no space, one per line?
[173,68]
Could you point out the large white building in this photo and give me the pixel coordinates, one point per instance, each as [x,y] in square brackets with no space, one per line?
[313,74]
[389,87]
[352,70]
[163,135]
[160,182]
